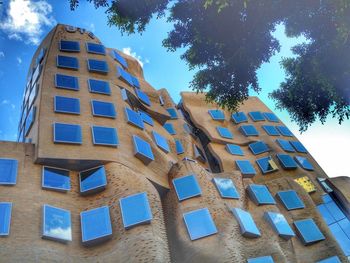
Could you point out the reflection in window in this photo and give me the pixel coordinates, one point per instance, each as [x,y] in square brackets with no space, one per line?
[186,187]
[8,171]
[5,218]
[199,223]
[57,224]
[92,180]
[55,179]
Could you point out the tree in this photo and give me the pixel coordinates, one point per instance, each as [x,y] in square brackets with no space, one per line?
[228,40]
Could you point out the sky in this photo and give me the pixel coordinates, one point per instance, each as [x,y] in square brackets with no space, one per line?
[24,23]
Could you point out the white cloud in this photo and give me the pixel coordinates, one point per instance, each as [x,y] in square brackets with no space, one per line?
[92,27]
[25,20]
[7,102]
[2,54]
[19,60]
[128,51]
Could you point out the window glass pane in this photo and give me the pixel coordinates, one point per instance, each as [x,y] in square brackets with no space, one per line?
[345,226]
[143,150]
[125,76]
[335,211]
[179,147]
[134,118]
[103,109]
[271,116]
[271,130]
[41,55]
[308,231]
[67,62]
[30,120]
[93,180]
[95,225]
[245,167]
[57,224]
[249,130]
[161,100]
[143,97]
[146,118]
[135,210]
[267,165]
[226,188]
[285,131]
[234,149]
[99,86]
[70,46]
[36,74]
[199,223]
[266,259]
[286,161]
[135,81]
[56,179]
[217,115]
[170,128]
[104,136]
[8,171]
[334,259]
[95,48]
[246,223]
[290,199]
[98,66]
[285,145]
[66,82]
[67,133]
[5,218]
[258,147]
[260,194]
[239,117]
[119,58]
[186,187]
[198,154]
[298,146]
[279,224]
[327,216]
[341,237]
[304,163]
[256,116]
[161,142]
[67,105]
[172,112]
[224,132]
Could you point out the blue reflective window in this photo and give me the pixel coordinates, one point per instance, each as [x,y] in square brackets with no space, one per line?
[224,132]
[249,130]
[95,225]
[265,259]
[304,163]
[341,237]
[67,62]
[345,226]
[327,198]
[245,167]
[170,128]
[334,259]
[260,194]
[172,112]
[279,224]
[226,188]
[103,109]
[67,133]
[335,211]
[134,118]
[119,58]
[143,150]
[57,224]
[234,149]
[135,82]
[287,161]
[8,171]
[239,117]
[327,216]
[186,187]
[125,76]
[298,146]
[93,180]
[95,48]
[308,231]
[143,97]
[246,223]
[104,136]
[258,147]
[285,131]
[55,179]
[5,218]
[271,116]
[179,147]
[41,55]
[135,210]
[69,46]
[217,115]
[146,118]
[198,154]
[271,130]
[199,223]
[66,82]
[285,145]
[99,86]
[161,142]
[67,105]
[124,94]
[30,120]
[256,116]
[266,165]
[98,66]
[290,199]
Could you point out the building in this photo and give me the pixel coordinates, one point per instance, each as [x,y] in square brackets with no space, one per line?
[109,169]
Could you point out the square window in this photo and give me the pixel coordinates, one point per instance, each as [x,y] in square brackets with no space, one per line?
[234,149]
[67,133]
[298,146]
[326,215]
[308,231]
[161,142]
[57,224]
[334,259]
[271,117]
[187,187]
[172,112]
[143,150]
[239,117]
[170,128]
[67,105]
[106,136]
[217,115]
[143,97]
[267,165]
[279,224]
[119,58]
[67,62]
[249,130]
[199,223]
[69,46]
[285,131]
[290,199]
[271,130]
[66,82]
[226,188]
[97,66]
[224,132]
[55,179]
[198,154]
[304,163]
[335,211]
[258,147]
[124,94]
[134,118]
[135,82]
[260,194]
[93,180]
[125,76]
[179,147]
[341,238]
[256,116]
[287,161]
[99,86]
[265,259]
[96,225]
[8,171]
[246,168]
[146,118]
[103,109]
[95,48]
[135,210]
[246,223]
[5,218]
[285,145]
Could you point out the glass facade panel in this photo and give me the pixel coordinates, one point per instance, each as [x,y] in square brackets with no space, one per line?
[95,48]
[134,118]
[287,161]
[143,97]
[146,118]
[8,171]
[285,131]
[304,163]
[199,223]
[172,112]
[170,128]
[119,58]
[258,147]
[290,199]
[267,165]
[187,187]
[334,259]
[56,224]
[5,218]
[271,117]
[245,167]
[246,223]
[265,259]
[260,194]
[224,132]
[69,46]
[327,216]
[298,146]
[285,145]
[226,188]
[125,76]
[103,109]
[66,82]
[234,149]
[92,180]
[179,147]
[217,115]
[256,116]
[55,179]
[239,117]
[30,120]
[99,86]
[143,150]
[67,133]
[105,136]
[98,66]
[279,224]
[161,142]
[67,105]
[249,130]
[308,231]
[67,62]
[271,130]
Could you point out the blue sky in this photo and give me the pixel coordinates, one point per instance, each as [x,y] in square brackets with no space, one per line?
[24,23]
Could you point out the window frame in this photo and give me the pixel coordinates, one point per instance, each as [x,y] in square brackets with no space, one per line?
[67,88]
[104,144]
[114,113]
[69,50]
[95,52]
[67,67]
[64,111]
[67,142]
[58,189]
[96,189]
[9,219]
[98,71]
[99,92]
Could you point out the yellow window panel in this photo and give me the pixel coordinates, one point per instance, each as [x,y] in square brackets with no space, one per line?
[306,183]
